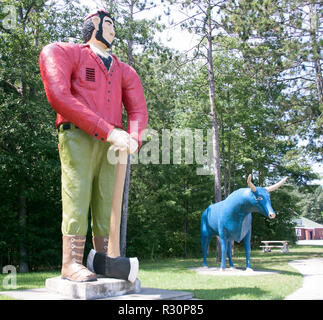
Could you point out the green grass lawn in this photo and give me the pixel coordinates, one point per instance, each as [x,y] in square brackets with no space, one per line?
[174,274]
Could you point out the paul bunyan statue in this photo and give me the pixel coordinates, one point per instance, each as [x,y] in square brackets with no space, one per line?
[88,87]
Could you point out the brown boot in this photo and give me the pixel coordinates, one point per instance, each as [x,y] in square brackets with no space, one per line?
[72,267]
[100,244]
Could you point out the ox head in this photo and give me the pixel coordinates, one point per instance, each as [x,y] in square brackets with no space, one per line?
[261,200]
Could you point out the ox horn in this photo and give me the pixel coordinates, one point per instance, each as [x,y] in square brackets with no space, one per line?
[250,184]
[276,186]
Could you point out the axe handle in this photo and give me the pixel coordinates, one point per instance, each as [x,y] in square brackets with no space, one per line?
[115,218]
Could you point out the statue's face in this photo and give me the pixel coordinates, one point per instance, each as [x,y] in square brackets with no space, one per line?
[108,29]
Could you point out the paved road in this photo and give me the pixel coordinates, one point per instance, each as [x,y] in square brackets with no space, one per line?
[312,289]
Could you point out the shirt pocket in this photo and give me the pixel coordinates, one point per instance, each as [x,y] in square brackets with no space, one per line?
[89,76]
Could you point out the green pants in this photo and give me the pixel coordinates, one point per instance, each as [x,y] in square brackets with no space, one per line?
[87,182]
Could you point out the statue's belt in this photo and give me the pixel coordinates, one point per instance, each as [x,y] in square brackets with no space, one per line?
[66,126]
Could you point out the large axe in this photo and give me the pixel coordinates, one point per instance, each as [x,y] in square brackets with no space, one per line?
[115,218]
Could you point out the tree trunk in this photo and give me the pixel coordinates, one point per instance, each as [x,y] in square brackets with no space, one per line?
[185,236]
[314,22]
[23,265]
[215,134]
[229,162]
[186,226]
[224,167]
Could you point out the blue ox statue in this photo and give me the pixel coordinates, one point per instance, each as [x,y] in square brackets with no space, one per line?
[231,218]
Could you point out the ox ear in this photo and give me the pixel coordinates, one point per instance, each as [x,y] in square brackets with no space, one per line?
[250,184]
[277,185]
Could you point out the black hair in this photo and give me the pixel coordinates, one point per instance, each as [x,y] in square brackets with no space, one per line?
[88,29]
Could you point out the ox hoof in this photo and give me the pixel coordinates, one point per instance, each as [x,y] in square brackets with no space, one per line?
[249,270]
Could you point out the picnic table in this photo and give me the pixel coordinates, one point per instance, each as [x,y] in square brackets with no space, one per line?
[268,245]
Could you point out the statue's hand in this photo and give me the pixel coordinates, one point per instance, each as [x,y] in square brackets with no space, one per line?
[120,140]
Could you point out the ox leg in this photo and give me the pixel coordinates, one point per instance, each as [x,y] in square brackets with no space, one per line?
[205,241]
[230,253]
[246,242]
[205,237]
[223,253]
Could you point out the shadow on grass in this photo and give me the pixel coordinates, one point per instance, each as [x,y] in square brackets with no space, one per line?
[29,280]
[229,293]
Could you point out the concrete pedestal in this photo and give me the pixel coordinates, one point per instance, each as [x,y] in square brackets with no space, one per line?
[144,294]
[102,288]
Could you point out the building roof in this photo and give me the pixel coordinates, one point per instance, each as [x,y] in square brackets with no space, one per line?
[302,222]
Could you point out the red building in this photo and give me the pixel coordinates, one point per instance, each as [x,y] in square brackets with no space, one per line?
[307,229]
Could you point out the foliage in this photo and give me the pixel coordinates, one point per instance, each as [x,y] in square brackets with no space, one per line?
[285,37]
[29,158]
[310,202]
